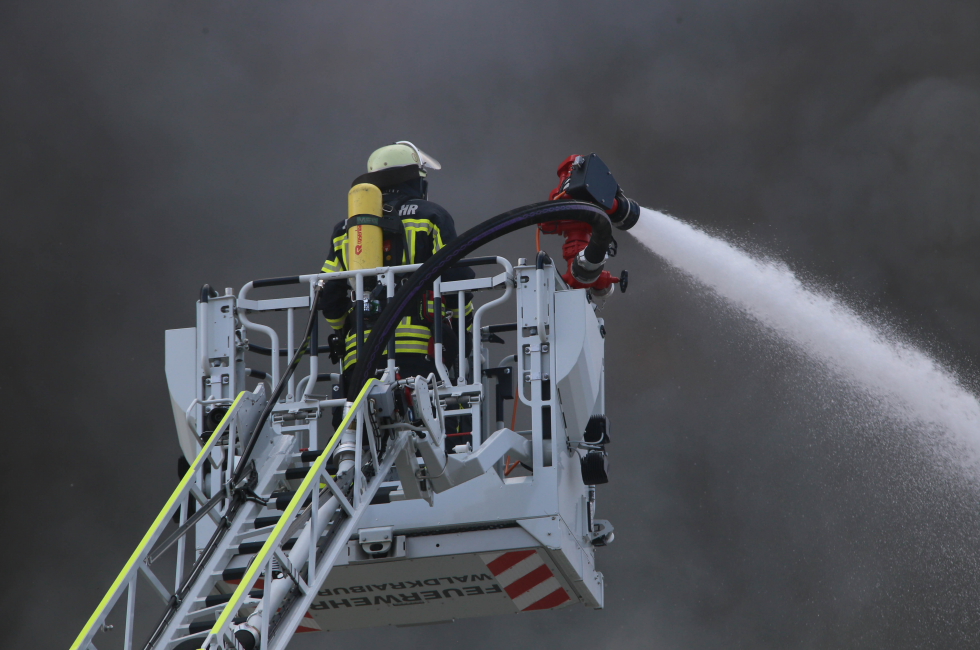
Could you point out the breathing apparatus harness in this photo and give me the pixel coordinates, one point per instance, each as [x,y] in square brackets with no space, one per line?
[393,183]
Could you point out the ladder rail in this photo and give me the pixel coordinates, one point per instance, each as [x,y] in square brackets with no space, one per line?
[154,544]
[130,571]
[220,549]
[222,627]
[286,627]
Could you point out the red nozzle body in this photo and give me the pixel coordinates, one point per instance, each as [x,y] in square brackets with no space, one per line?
[576,233]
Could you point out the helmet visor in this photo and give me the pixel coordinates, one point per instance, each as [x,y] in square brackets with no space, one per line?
[425,160]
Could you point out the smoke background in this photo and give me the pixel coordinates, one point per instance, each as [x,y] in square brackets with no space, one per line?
[149,148]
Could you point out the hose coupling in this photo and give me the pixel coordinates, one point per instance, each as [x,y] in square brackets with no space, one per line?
[247,636]
[345,452]
[626,213]
[585,271]
[603,292]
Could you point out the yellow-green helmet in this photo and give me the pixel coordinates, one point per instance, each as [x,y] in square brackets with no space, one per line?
[401,154]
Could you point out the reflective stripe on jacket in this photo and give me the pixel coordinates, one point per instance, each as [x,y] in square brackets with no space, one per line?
[428,227]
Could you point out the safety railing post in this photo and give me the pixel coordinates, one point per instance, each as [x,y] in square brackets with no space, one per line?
[315,520]
[390,291]
[461,324]
[358,441]
[437,331]
[290,345]
[312,435]
[478,429]
[130,611]
[265,329]
[267,597]
[202,341]
[230,455]
[314,363]
[181,543]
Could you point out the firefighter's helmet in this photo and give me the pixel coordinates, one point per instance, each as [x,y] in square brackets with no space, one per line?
[401,154]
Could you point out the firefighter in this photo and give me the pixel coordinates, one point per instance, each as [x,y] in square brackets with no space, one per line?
[422,227]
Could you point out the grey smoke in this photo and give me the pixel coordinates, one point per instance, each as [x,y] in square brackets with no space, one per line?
[148,149]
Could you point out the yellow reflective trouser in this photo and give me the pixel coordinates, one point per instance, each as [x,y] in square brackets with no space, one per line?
[446,311]
[409,339]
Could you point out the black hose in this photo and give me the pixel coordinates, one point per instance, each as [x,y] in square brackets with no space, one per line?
[418,282]
[260,349]
[477,261]
[277,391]
[541,260]
[602,236]
[207,293]
[314,335]
[275,282]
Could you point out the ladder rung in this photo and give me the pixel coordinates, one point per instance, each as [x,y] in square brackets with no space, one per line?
[294,473]
[233,574]
[262,522]
[214,609]
[187,641]
[300,472]
[203,626]
[282,500]
[200,626]
[221,599]
[247,533]
[312,455]
[251,548]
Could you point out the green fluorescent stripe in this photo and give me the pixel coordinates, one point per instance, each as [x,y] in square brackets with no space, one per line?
[425,336]
[411,349]
[158,523]
[253,570]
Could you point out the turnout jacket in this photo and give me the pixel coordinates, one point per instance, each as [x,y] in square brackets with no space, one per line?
[427,227]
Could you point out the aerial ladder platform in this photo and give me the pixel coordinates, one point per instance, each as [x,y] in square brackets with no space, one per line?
[426,504]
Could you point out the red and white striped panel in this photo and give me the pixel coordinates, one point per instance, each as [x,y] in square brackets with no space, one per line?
[526,579]
[308,624]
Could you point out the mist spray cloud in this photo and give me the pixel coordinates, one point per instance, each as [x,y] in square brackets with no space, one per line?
[907,382]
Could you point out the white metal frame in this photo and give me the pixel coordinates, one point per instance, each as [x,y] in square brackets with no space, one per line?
[333,517]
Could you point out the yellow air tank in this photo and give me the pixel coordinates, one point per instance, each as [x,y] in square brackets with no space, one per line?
[365,242]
